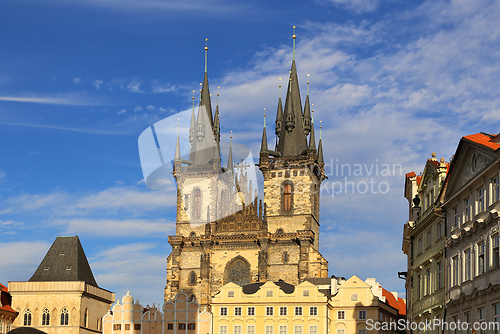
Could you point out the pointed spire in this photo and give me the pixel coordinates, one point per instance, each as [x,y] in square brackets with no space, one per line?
[293,42]
[192,128]
[230,155]
[263,146]
[205,91]
[177,145]
[279,116]
[292,139]
[307,113]
[320,147]
[206,53]
[216,120]
[312,139]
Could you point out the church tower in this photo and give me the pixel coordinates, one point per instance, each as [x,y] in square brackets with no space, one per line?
[223,233]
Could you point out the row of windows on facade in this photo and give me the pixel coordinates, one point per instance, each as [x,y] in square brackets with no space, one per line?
[45,319]
[269,329]
[463,211]
[283,310]
[429,241]
[426,288]
[479,267]
[287,200]
[170,326]
[480,317]
[361,315]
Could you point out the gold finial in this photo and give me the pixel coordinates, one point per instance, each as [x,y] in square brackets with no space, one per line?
[280,87]
[312,115]
[218,90]
[231,134]
[206,51]
[320,129]
[264,117]
[193,94]
[308,84]
[293,42]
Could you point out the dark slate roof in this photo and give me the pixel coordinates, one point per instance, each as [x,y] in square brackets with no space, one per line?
[26,330]
[319,280]
[65,261]
[293,142]
[250,289]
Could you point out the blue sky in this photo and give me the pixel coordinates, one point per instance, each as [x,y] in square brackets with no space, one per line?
[392,81]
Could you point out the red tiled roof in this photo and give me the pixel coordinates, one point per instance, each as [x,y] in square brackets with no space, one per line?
[419,178]
[483,139]
[3,288]
[410,174]
[397,304]
[7,308]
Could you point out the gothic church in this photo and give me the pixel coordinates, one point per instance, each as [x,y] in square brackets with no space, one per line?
[223,234]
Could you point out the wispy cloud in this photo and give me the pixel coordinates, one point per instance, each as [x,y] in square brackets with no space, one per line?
[116,227]
[77,80]
[73,98]
[97,83]
[121,112]
[137,108]
[135,87]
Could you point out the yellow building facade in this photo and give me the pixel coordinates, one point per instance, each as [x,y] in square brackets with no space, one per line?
[360,307]
[270,308]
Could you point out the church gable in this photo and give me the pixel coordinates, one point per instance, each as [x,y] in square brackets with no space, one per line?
[470,159]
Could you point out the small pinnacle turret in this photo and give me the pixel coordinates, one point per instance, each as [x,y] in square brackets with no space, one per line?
[177,156]
[263,146]
[230,165]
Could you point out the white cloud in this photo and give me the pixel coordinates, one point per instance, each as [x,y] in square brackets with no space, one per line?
[135,87]
[357,6]
[117,228]
[22,260]
[162,110]
[151,108]
[121,112]
[2,174]
[77,80]
[97,83]
[157,88]
[137,108]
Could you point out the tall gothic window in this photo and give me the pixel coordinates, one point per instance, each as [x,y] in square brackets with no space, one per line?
[27,317]
[192,278]
[238,272]
[45,317]
[287,198]
[197,204]
[86,318]
[64,317]
[285,257]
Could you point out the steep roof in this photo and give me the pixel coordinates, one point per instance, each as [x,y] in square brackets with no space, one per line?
[397,304]
[5,300]
[250,289]
[483,139]
[65,261]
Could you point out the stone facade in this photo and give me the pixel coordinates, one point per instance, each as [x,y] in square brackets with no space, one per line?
[424,242]
[223,233]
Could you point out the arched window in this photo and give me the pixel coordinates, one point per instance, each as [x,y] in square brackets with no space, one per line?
[238,272]
[197,204]
[192,235]
[279,231]
[64,317]
[192,278]
[285,257]
[27,317]
[86,318]
[45,317]
[287,198]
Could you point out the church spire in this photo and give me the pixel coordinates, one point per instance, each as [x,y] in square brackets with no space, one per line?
[279,118]
[192,134]
[320,148]
[230,166]
[263,146]
[205,91]
[216,120]
[307,113]
[292,139]
[312,139]
[177,145]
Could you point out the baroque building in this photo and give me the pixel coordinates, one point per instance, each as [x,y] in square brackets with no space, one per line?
[471,202]
[223,233]
[424,242]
